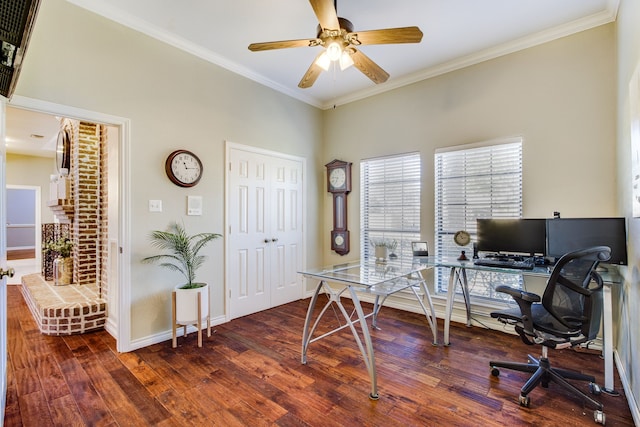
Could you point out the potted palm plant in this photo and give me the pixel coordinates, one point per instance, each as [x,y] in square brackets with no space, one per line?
[183,256]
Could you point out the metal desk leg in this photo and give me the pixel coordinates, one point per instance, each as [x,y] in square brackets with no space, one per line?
[377,305]
[451,293]
[456,275]
[367,353]
[433,321]
[306,333]
[465,293]
[366,350]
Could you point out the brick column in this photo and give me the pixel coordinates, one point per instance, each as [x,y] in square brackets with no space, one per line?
[86,184]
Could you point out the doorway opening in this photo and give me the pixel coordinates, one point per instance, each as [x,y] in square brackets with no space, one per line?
[23,225]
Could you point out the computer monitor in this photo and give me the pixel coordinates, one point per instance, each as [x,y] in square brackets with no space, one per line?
[571,234]
[511,235]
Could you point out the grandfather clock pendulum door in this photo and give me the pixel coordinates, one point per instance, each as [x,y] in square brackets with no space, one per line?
[339,185]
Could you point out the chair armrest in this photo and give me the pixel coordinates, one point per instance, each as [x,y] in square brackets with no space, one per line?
[517,294]
[524,300]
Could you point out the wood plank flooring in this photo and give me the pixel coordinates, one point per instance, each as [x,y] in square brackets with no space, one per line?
[248,373]
[20,254]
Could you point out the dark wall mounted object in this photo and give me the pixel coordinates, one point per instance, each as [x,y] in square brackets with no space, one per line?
[16,24]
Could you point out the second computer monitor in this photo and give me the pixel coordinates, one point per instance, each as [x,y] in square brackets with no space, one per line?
[571,234]
[511,236]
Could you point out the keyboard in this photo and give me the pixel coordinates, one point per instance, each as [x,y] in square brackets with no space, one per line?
[519,264]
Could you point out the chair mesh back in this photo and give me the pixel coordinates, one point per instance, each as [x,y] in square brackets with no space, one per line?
[572,296]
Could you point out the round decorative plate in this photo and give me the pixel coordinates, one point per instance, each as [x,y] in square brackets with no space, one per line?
[462,238]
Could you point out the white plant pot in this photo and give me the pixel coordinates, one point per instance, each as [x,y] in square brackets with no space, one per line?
[187,304]
[382,253]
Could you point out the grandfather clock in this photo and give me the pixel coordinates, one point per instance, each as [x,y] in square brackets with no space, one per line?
[339,185]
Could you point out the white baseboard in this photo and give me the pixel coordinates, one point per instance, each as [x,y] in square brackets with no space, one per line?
[167,335]
[628,391]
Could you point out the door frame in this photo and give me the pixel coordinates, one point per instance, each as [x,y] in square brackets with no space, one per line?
[119,328]
[3,265]
[229,146]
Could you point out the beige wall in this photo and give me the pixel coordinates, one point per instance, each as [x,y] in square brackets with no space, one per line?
[33,171]
[173,100]
[626,314]
[560,97]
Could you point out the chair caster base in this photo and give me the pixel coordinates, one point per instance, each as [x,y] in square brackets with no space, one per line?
[599,417]
[524,401]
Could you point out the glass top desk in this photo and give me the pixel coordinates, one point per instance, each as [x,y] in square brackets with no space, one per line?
[458,276]
[367,277]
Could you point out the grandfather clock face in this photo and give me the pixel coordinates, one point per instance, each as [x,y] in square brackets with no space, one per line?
[339,184]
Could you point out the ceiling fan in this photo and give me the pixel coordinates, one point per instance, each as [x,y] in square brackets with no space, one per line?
[336,35]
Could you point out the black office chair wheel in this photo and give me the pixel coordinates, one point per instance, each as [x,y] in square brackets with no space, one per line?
[495,371]
[595,389]
[599,417]
[524,401]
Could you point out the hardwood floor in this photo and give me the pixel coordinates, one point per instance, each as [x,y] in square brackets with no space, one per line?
[249,373]
[20,254]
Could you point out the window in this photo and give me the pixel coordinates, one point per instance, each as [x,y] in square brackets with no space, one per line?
[476,181]
[390,202]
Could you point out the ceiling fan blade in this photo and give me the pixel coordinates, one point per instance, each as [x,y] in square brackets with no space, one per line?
[388,36]
[311,75]
[326,13]
[256,47]
[369,68]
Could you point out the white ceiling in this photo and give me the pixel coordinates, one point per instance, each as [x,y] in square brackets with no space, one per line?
[457,33]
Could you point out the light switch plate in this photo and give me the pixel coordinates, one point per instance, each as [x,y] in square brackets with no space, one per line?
[155,205]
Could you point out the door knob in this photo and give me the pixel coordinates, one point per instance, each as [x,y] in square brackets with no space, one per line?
[274,239]
[9,273]
[267,240]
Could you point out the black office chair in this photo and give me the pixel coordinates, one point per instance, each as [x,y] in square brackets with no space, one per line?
[568,314]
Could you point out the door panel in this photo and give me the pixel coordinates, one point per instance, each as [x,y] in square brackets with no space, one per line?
[246,234]
[287,190]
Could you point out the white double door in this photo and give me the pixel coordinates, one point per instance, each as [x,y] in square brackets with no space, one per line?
[264,229]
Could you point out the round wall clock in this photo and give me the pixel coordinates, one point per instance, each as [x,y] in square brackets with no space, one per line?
[183,168]
[462,238]
[63,152]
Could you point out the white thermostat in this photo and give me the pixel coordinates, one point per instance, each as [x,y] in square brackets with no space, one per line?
[194,205]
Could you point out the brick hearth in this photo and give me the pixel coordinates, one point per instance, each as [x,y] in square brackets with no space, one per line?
[64,310]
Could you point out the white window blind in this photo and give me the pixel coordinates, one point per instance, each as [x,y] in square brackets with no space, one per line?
[390,202]
[476,182]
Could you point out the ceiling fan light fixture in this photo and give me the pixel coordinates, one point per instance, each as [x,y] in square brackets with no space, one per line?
[334,50]
[345,60]
[323,61]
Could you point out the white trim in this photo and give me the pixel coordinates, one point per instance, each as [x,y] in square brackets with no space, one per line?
[3,264]
[123,323]
[487,143]
[168,334]
[628,390]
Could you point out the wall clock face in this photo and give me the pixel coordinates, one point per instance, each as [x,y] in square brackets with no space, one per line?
[63,152]
[462,238]
[183,168]
[337,179]
[338,176]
